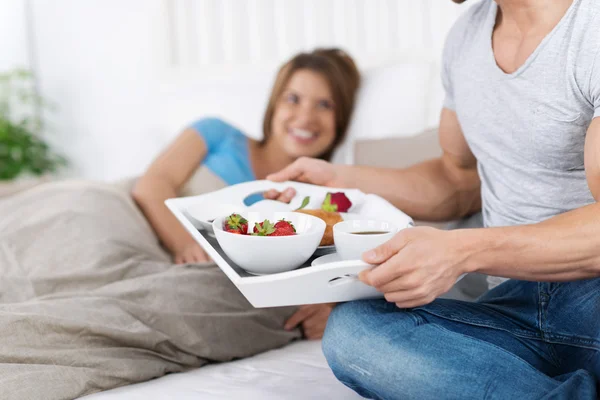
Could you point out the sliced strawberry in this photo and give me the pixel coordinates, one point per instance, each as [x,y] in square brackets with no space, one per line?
[235,223]
[336,202]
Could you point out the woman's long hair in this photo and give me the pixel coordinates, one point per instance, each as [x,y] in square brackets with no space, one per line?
[343,78]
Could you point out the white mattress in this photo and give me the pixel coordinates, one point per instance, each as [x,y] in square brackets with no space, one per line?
[297,371]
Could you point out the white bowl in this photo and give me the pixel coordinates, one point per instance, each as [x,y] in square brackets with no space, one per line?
[267,255]
[351,246]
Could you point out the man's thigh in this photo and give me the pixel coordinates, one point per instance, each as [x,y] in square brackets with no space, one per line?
[570,312]
[563,316]
[570,318]
[384,352]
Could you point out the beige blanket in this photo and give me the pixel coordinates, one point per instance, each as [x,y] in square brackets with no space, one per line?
[90,301]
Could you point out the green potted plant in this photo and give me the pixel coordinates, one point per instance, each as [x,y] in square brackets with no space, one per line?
[24,154]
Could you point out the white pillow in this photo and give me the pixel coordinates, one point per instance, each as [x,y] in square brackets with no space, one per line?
[239,100]
[393,101]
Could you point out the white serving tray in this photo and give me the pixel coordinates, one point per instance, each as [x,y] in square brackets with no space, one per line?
[324,283]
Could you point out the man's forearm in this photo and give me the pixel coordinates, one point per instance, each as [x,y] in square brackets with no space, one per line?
[563,248]
[426,191]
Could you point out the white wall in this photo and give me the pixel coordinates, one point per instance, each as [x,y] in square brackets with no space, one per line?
[13,35]
[106,64]
[206,33]
[99,61]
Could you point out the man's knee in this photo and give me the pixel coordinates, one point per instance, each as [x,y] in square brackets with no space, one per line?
[362,351]
[336,334]
[345,331]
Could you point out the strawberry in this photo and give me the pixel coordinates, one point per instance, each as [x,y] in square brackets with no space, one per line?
[280,228]
[336,202]
[265,228]
[284,228]
[235,223]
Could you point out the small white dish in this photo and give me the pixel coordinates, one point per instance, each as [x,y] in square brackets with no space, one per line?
[335,258]
[322,250]
[268,205]
[353,238]
[262,255]
[329,258]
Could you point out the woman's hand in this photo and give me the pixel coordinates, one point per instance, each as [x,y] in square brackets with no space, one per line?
[190,253]
[417,265]
[286,196]
[313,318]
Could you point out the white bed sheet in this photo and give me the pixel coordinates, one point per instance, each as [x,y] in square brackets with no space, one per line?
[297,371]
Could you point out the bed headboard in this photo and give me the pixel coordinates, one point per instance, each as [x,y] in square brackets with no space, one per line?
[211,34]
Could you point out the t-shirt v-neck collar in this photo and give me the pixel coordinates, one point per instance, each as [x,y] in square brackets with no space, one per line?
[489,31]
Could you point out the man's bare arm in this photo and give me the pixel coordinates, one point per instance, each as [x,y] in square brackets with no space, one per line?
[562,248]
[441,189]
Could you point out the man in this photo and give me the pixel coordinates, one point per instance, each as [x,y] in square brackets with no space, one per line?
[520,130]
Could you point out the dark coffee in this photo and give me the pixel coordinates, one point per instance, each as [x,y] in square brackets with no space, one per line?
[370,233]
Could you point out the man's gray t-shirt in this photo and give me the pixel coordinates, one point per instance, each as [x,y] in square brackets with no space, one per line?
[527,129]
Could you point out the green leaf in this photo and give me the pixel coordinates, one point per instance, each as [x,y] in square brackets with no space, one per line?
[304,203]
[236,221]
[22,149]
[266,229]
[327,206]
[22,73]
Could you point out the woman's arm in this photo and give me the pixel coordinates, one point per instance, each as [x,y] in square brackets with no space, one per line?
[163,179]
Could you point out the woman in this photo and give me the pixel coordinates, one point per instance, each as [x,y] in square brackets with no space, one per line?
[307,115]
[90,301]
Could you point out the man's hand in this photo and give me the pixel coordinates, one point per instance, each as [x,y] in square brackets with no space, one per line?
[416,266]
[190,253]
[310,170]
[313,318]
[307,170]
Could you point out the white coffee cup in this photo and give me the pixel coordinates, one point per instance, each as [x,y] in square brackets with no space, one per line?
[353,238]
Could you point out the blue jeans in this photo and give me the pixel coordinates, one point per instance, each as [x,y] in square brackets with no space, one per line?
[521,340]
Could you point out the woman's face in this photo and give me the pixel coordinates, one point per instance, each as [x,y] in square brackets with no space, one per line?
[304,118]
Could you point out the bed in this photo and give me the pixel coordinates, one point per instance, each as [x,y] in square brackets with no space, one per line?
[296,372]
[55,295]
[399,100]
